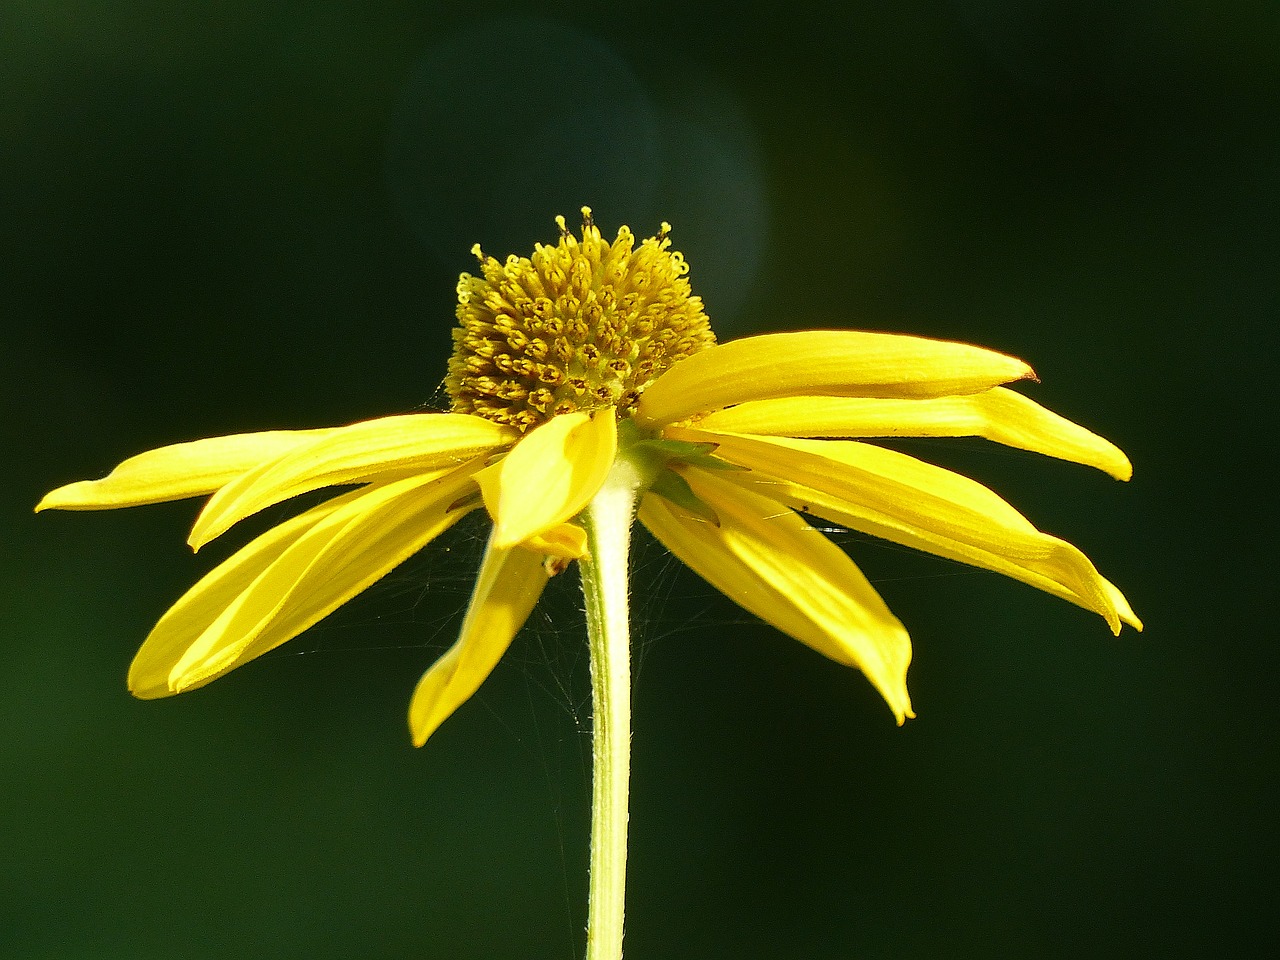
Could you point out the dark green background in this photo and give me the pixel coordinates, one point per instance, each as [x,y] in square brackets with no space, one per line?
[217,217]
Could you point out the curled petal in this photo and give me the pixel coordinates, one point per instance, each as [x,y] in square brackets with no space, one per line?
[550,475]
[766,559]
[506,591]
[178,471]
[841,363]
[290,578]
[385,448]
[998,414]
[566,541]
[897,497]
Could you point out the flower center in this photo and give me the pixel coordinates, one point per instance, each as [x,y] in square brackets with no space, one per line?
[579,326]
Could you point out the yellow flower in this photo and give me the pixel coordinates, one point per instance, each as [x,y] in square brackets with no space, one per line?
[589,364]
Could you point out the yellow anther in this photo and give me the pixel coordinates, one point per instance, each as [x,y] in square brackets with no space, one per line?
[577,326]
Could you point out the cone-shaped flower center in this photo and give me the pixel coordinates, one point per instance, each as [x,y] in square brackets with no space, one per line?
[578,326]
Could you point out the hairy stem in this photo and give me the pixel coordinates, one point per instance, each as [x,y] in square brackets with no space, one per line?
[604,586]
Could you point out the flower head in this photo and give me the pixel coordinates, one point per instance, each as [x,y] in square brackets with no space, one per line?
[592,363]
[584,325]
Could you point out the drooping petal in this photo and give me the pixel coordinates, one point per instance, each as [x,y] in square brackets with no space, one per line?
[328,561]
[187,619]
[766,559]
[842,363]
[897,497]
[374,449]
[550,475]
[178,471]
[508,587]
[835,510]
[998,414]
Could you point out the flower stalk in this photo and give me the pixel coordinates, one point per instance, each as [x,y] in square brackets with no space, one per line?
[604,587]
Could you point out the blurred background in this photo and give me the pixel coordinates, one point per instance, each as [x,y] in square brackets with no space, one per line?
[228,216]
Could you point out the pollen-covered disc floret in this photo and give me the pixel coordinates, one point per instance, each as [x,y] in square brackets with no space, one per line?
[580,325]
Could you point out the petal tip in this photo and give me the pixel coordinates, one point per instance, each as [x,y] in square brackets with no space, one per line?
[1129,618]
[202,533]
[901,707]
[143,685]
[63,498]
[418,736]
[424,716]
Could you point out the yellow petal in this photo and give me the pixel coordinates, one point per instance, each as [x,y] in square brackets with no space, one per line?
[279,586]
[550,475]
[375,449]
[178,471]
[897,497]
[999,414]
[835,510]
[507,589]
[842,363]
[769,561]
[187,619]
[1122,605]
[568,541]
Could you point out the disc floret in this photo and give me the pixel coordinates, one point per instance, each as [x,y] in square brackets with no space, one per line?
[580,325]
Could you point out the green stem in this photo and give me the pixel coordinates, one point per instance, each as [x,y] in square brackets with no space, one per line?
[604,586]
